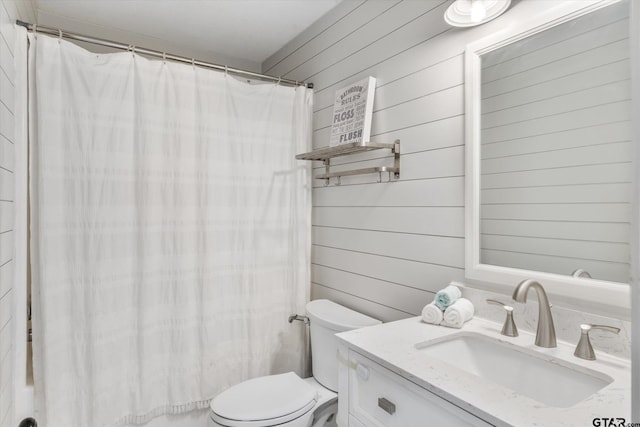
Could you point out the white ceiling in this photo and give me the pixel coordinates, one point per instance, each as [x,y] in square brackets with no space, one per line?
[239,33]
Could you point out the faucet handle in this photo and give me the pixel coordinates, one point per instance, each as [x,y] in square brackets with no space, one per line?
[509,328]
[584,350]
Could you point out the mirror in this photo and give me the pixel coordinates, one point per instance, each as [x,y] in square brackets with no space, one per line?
[549,173]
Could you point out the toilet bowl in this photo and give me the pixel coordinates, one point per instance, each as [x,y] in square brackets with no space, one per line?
[286,400]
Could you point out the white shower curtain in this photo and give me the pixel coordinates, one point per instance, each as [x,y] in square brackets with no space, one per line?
[170,231]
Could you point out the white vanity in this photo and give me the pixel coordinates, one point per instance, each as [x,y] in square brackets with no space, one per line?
[411,374]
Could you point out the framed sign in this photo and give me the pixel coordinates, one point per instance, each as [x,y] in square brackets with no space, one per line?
[352,111]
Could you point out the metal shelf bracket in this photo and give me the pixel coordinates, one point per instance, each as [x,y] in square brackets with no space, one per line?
[326,154]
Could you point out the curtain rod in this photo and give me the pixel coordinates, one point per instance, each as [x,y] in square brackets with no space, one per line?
[156,53]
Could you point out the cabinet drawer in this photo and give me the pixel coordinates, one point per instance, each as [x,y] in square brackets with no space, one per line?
[380,398]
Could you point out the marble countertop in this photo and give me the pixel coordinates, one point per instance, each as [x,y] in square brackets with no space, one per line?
[393,345]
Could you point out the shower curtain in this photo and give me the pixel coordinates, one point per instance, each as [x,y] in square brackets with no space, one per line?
[170,229]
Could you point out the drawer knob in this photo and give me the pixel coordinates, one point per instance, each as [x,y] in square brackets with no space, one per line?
[386,405]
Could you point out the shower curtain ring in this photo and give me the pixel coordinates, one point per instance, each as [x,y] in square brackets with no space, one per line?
[59,35]
[279,80]
[226,70]
[164,56]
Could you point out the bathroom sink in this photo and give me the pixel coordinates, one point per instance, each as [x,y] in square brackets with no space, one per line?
[548,380]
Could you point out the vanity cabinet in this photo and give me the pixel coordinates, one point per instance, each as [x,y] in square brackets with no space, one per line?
[378,397]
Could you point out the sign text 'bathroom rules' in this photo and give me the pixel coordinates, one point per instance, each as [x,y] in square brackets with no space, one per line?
[352,111]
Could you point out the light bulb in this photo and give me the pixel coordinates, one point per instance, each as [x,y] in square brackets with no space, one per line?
[478,12]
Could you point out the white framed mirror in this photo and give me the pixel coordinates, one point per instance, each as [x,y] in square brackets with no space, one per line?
[549,155]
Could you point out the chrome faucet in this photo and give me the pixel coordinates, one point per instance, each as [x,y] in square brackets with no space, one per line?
[546,333]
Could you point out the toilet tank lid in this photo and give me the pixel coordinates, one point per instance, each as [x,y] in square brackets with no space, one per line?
[336,317]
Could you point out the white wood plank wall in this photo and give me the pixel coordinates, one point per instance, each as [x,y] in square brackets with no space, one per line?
[7,36]
[385,248]
[10,10]
[556,155]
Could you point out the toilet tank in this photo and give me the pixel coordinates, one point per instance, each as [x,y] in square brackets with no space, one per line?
[327,319]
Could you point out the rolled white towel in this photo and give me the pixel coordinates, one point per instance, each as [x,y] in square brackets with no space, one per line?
[459,312]
[432,314]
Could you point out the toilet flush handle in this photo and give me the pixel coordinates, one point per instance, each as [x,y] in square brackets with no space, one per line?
[299,318]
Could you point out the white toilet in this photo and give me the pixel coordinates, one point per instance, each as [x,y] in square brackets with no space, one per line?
[286,400]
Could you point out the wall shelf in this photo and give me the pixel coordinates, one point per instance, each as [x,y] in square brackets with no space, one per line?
[326,154]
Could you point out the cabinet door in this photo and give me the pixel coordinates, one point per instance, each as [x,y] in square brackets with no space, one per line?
[380,398]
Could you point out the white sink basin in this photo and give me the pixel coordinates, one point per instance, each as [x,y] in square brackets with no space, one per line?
[548,380]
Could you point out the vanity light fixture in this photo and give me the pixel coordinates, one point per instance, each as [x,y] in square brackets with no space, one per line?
[468,13]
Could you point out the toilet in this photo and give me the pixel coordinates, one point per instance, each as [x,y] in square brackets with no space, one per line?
[286,400]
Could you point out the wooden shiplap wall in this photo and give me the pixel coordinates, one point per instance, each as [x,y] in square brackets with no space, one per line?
[385,248]
[10,10]
[7,149]
[556,171]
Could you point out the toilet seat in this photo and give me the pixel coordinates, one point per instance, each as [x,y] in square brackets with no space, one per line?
[264,401]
